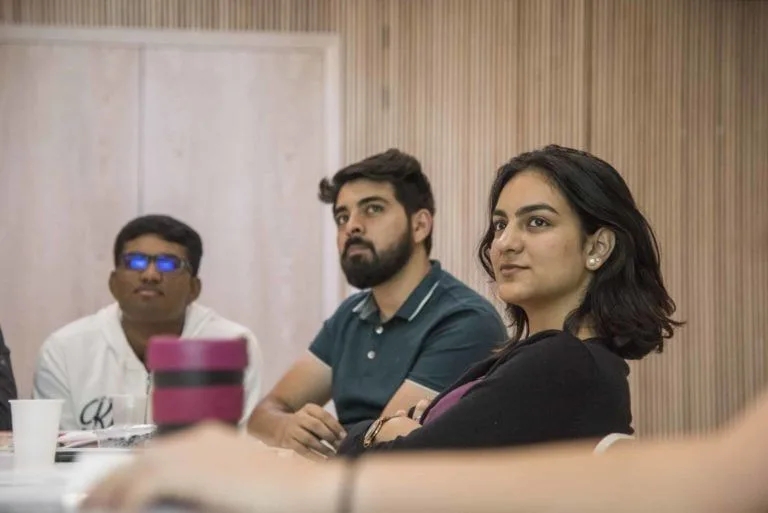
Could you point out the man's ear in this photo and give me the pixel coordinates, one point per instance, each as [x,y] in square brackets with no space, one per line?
[421,225]
[598,248]
[112,284]
[196,289]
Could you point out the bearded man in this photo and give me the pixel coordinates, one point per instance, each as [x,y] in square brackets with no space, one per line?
[410,332]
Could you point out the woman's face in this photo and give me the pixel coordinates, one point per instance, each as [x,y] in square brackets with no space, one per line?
[539,254]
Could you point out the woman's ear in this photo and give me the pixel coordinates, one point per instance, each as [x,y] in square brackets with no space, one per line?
[598,248]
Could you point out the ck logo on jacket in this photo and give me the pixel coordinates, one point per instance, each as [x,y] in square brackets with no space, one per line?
[97,414]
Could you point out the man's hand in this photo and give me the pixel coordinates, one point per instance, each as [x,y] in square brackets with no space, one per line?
[305,431]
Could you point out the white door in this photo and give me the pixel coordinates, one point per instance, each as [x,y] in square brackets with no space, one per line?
[230,133]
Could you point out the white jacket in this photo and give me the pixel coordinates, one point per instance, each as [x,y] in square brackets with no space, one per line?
[90,359]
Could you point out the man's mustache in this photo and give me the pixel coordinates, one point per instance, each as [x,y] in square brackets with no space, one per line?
[357,242]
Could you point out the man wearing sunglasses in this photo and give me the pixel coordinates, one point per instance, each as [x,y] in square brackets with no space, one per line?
[155,284]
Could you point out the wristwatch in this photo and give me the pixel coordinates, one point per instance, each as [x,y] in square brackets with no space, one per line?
[373,431]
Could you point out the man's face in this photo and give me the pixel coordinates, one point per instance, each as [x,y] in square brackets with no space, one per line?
[153,280]
[374,235]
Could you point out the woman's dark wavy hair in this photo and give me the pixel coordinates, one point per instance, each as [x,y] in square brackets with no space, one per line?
[626,302]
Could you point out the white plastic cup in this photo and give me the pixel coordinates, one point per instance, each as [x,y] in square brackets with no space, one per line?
[128,410]
[35,432]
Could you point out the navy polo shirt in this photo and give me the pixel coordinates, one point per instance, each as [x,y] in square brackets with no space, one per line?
[437,334]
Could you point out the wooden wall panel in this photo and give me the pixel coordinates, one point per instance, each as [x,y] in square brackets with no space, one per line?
[68,127]
[637,76]
[671,91]
[246,178]
[675,109]
[698,303]
[742,227]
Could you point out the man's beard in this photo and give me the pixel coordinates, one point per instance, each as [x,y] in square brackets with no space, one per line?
[364,271]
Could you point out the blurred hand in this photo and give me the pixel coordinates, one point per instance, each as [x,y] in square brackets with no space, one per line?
[217,469]
[305,430]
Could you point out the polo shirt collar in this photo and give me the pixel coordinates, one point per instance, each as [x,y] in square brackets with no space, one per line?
[415,302]
[367,307]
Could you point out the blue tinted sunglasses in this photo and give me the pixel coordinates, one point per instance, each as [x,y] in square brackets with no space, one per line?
[163,263]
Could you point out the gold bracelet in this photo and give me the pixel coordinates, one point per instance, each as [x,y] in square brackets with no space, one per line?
[373,431]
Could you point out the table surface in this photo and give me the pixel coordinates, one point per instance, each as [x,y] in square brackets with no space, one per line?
[45,490]
[41,490]
[49,490]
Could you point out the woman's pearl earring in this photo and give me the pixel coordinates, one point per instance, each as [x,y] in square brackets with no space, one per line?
[593,261]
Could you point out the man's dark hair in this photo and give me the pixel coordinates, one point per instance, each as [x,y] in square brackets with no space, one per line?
[412,189]
[168,229]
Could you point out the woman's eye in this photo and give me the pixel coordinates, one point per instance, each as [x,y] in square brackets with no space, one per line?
[537,222]
[499,225]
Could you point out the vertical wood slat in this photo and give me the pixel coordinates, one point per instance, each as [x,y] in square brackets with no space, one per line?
[699,214]
[645,114]
[672,92]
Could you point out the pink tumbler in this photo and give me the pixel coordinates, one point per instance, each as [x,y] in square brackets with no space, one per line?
[195,380]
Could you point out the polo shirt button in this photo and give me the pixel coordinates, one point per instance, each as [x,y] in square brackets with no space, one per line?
[379,330]
[371,355]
